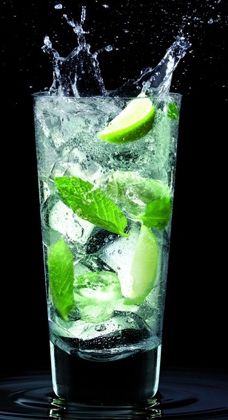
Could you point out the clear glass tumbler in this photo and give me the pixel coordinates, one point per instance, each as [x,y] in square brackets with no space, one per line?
[106,207]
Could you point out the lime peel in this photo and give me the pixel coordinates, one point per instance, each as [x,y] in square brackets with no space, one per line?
[132,123]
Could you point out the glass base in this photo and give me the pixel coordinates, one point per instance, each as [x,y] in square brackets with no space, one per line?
[129,379]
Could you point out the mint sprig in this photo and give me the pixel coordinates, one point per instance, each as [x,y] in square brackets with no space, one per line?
[91,204]
[61,277]
[157,213]
[146,200]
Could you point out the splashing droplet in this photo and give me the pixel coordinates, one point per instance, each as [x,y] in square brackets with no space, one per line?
[58,6]
[83,15]
[108,48]
[47,42]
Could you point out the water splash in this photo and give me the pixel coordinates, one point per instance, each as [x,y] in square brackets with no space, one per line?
[159,78]
[79,73]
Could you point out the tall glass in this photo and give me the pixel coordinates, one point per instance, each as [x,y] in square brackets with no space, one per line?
[106,209]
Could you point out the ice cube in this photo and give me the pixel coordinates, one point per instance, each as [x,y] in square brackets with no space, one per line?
[45,191]
[118,255]
[49,235]
[85,166]
[50,123]
[59,122]
[60,327]
[95,295]
[66,222]
[113,338]
[119,323]
[149,311]
[94,263]
[99,239]
[80,269]
[59,169]
[46,155]
[162,143]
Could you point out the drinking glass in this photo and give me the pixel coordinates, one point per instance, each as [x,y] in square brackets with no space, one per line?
[106,207]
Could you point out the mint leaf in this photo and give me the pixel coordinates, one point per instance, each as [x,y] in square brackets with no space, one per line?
[148,200]
[173,112]
[91,204]
[157,213]
[61,277]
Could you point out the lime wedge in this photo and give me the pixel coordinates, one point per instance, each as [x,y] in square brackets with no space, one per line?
[132,123]
[136,260]
[144,266]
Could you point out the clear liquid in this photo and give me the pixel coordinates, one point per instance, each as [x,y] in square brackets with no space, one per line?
[130,379]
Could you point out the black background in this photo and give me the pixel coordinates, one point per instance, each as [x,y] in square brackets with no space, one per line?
[196,318]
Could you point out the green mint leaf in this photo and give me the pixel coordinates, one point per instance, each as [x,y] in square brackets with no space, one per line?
[147,200]
[91,204]
[173,112]
[157,213]
[61,277]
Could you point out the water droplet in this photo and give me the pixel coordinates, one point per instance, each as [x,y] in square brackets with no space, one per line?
[108,48]
[106,6]
[58,6]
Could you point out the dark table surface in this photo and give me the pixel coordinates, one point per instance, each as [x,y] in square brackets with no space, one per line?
[182,394]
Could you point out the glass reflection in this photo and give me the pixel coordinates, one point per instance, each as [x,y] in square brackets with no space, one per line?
[148,411]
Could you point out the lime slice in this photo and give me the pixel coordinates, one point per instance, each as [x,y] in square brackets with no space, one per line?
[132,123]
[144,266]
[135,259]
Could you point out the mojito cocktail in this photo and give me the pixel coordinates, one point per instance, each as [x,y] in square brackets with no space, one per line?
[106,175]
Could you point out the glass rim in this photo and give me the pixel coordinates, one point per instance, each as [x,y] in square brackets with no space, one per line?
[47,95]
